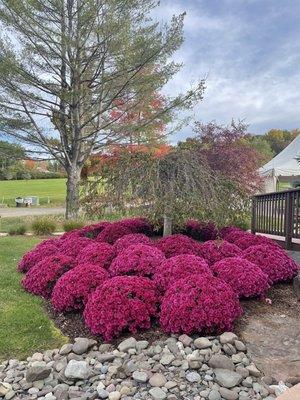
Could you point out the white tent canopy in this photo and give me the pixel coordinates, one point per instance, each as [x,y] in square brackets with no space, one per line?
[282,165]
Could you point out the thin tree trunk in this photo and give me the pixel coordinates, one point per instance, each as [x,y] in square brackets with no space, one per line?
[167,226]
[73,192]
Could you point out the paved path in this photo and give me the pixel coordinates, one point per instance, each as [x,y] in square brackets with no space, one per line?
[27,212]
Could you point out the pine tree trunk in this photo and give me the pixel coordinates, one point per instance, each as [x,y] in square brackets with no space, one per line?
[167,226]
[73,192]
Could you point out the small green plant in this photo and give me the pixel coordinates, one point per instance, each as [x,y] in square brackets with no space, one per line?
[17,230]
[72,224]
[43,226]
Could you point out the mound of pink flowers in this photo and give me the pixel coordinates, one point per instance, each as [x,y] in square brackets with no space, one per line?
[182,266]
[123,302]
[139,259]
[245,277]
[123,279]
[274,262]
[202,304]
[215,250]
[175,245]
[72,289]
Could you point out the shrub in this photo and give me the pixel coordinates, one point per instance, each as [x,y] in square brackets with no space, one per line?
[202,231]
[202,304]
[73,245]
[175,245]
[34,256]
[18,230]
[178,267]
[70,225]
[89,231]
[138,259]
[123,302]
[246,240]
[43,226]
[73,287]
[138,225]
[100,254]
[113,232]
[215,250]
[128,240]
[228,230]
[41,278]
[245,277]
[273,261]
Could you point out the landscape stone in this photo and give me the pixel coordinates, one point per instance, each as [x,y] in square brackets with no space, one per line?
[228,394]
[37,372]
[166,359]
[214,395]
[127,344]
[193,377]
[141,377]
[227,378]
[157,393]
[221,361]
[202,343]
[77,370]
[81,345]
[158,380]
[228,337]
[185,340]
[4,388]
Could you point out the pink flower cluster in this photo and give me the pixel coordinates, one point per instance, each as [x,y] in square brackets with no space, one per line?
[202,304]
[202,231]
[32,257]
[182,266]
[72,289]
[175,245]
[72,246]
[273,261]
[100,254]
[246,239]
[131,239]
[215,250]
[245,277]
[139,259]
[41,278]
[123,302]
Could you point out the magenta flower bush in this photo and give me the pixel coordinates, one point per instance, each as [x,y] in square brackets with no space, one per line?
[182,266]
[72,246]
[113,232]
[138,225]
[97,253]
[175,245]
[34,256]
[273,261]
[72,288]
[202,304]
[89,231]
[121,303]
[228,230]
[139,259]
[128,240]
[202,231]
[245,277]
[215,250]
[41,278]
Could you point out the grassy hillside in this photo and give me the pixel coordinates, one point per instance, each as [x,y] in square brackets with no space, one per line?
[50,191]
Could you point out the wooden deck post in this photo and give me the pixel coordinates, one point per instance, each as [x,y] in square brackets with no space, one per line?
[253,218]
[288,220]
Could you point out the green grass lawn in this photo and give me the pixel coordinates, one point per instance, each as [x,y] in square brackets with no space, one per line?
[8,223]
[25,328]
[53,190]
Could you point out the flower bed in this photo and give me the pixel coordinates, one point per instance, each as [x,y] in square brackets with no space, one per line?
[122,279]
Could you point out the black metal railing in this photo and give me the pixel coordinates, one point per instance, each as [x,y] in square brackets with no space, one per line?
[277,213]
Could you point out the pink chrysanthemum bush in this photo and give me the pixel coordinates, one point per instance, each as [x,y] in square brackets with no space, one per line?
[72,288]
[215,250]
[34,256]
[138,225]
[245,277]
[72,246]
[41,278]
[96,253]
[178,267]
[202,304]
[139,259]
[202,231]
[113,232]
[273,261]
[128,240]
[119,304]
[246,239]
[174,245]
[226,231]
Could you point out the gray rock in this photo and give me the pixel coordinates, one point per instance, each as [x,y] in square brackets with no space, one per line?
[228,394]
[102,393]
[253,371]
[221,361]
[142,345]
[37,372]
[193,377]
[214,395]
[185,340]
[140,376]
[240,345]
[228,337]
[5,388]
[105,357]
[166,359]
[157,393]
[66,349]
[61,391]
[227,378]
[81,345]
[202,343]
[127,344]
[157,380]
[10,395]
[77,370]
[114,395]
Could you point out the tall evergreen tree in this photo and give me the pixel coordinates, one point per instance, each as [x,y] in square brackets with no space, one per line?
[68,65]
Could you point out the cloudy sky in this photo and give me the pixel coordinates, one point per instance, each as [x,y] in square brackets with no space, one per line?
[250,52]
